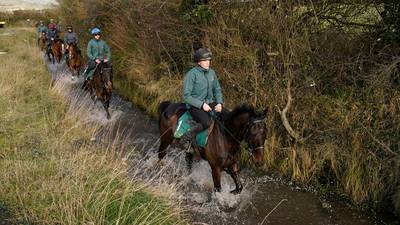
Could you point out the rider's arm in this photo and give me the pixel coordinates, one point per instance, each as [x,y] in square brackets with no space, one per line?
[89,51]
[217,90]
[107,51]
[187,91]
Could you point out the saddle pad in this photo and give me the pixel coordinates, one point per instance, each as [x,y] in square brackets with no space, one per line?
[183,127]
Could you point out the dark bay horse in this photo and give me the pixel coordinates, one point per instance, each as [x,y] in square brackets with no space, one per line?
[55,51]
[223,147]
[74,59]
[100,86]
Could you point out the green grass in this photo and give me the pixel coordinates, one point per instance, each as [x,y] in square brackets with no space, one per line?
[47,179]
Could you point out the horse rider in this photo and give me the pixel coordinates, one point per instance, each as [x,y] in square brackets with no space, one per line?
[202,92]
[70,38]
[41,29]
[52,34]
[97,51]
[52,25]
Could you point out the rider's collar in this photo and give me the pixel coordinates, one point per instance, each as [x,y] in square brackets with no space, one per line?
[201,69]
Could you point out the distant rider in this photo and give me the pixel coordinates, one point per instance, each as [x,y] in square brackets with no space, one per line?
[70,38]
[97,51]
[41,29]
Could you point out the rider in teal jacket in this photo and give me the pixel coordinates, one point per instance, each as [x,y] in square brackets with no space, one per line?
[202,91]
[41,28]
[97,51]
[201,86]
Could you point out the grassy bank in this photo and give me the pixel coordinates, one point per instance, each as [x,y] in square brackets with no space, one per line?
[50,171]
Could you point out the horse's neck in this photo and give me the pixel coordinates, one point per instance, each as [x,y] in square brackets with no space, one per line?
[71,51]
[237,126]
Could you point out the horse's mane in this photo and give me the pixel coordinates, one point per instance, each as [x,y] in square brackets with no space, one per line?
[241,109]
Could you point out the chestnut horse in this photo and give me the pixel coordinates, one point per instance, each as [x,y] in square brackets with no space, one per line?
[222,150]
[100,86]
[56,51]
[74,59]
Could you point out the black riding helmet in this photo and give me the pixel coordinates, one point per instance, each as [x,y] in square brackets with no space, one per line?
[202,54]
[69,27]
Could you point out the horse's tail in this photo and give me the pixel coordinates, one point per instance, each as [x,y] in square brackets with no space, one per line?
[163,106]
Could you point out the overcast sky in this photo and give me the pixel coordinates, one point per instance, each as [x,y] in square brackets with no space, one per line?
[25,4]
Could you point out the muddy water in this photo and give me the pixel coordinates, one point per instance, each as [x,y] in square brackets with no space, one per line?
[264,200]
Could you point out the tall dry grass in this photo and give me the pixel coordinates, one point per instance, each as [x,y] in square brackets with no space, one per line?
[51,170]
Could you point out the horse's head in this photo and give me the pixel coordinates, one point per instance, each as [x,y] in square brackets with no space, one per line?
[248,125]
[255,135]
[72,46]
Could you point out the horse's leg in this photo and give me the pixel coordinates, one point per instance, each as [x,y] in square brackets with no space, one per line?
[189,161]
[106,105]
[165,140]
[94,97]
[233,170]
[95,94]
[216,174]
[48,55]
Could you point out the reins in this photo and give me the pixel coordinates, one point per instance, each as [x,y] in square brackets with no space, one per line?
[213,115]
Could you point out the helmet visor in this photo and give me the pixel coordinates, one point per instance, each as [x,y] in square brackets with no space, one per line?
[206,56]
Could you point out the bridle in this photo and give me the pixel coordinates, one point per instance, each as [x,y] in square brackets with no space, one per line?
[252,122]
[246,134]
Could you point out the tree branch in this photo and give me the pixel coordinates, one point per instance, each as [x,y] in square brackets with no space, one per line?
[284,119]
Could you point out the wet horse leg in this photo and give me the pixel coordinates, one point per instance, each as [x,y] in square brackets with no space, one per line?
[106,105]
[165,140]
[233,172]
[216,175]
[189,161]
[97,94]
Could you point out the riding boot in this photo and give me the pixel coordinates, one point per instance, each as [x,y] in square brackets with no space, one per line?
[195,128]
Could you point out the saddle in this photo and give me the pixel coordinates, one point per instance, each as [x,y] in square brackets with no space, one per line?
[185,122]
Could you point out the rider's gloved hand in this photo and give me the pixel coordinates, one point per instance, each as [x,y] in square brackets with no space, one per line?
[206,107]
[218,108]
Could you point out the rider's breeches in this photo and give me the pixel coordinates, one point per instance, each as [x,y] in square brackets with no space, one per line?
[200,116]
[92,64]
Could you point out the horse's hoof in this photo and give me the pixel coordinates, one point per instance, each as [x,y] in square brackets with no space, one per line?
[236,192]
[217,189]
[160,163]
